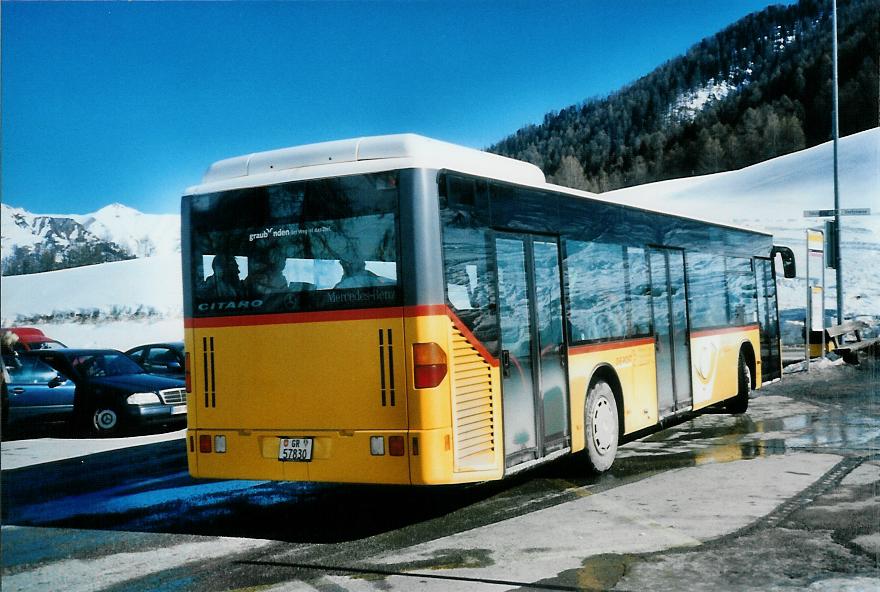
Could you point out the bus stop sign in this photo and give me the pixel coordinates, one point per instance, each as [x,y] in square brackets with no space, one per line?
[841,212]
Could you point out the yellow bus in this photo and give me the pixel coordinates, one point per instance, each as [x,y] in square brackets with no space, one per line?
[400,310]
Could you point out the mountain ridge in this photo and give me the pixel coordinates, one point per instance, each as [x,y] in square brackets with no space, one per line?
[755,90]
[33,243]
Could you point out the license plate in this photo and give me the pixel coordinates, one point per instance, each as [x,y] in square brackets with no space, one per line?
[178,409]
[295,449]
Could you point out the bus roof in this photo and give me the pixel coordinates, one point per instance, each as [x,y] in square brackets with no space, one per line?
[382,153]
[361,155]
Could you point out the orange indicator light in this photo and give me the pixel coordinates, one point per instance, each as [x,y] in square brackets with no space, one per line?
[429,365]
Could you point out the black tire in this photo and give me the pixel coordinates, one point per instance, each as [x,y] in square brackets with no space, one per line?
[601,427]
[4,412]
[740,403]
[104,421]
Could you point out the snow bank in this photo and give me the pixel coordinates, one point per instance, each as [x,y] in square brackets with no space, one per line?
[119,305]
[153,283]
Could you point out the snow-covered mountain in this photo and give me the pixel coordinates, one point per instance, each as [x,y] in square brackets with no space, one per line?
[142,235]
[112,233]
[21,228]
[128,302]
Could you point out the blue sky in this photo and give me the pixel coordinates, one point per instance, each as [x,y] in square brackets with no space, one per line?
[130,102]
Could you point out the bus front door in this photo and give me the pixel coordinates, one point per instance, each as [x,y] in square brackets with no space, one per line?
[768,320]
[670,331]
[534,384]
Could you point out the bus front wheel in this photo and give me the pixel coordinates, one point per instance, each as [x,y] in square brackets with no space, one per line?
[740,402]
[601,426]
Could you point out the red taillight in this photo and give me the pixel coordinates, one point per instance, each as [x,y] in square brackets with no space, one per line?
[186,375]
[429,365]
[205,444]
[396,445]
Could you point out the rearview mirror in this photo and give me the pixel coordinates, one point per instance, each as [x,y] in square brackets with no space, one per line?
[789,270]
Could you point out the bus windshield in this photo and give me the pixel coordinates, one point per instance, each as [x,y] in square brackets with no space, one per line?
[316,245]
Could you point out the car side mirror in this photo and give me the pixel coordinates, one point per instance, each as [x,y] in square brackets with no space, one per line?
[57,381]
[175,365]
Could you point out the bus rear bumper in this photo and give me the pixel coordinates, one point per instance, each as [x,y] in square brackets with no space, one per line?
[339,456]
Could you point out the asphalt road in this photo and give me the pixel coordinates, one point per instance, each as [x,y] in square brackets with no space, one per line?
[783,497]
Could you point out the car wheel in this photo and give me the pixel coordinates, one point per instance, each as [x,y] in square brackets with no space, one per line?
[601,425]
[104,421]
[4,415]
[740,402]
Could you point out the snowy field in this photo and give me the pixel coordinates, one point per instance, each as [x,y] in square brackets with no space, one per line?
[119,305]
[127,303]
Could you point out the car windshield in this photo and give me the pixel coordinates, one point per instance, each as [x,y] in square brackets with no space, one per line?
[104,364]
[296,247]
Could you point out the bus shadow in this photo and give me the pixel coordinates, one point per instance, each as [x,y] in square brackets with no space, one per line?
[148,489]
[290,512]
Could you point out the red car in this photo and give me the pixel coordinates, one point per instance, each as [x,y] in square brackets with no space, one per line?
[31,338]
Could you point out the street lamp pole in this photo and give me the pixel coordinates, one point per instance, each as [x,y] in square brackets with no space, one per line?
[837,226]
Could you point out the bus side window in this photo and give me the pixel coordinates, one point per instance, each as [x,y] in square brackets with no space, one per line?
[707,290]
[742,308]
[469,269]
[596,290]
[638,295]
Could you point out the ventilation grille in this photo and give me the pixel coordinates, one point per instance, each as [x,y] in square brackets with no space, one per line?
[473,410]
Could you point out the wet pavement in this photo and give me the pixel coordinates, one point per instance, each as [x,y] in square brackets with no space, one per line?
[810,442]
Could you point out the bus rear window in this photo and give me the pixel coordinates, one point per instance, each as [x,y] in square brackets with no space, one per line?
[314,245]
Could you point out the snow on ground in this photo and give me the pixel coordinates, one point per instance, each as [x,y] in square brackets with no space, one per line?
[25,453]
[816,365]
[119,304]
[152,283]
[121,335]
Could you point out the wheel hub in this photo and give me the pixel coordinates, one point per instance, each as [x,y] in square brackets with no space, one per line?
[604,430]
[105,419]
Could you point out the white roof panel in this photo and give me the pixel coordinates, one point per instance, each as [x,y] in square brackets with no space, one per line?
[345,157]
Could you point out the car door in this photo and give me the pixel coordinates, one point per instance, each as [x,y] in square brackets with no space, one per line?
[37,392]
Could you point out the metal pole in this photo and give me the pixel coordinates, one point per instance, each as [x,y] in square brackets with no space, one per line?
[838,226]
[808,309]
[822,265]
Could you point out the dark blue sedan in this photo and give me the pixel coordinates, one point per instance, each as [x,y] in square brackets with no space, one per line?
[113,393]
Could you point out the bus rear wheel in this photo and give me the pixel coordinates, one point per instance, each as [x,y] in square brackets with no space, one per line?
[740,403]
[601,427]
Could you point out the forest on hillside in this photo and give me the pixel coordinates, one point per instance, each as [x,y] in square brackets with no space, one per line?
[758,89]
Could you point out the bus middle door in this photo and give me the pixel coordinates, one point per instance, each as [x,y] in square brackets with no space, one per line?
[534,384]
[669,304]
